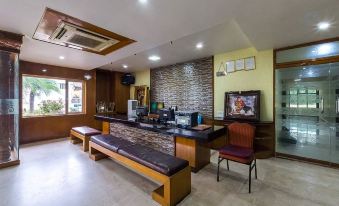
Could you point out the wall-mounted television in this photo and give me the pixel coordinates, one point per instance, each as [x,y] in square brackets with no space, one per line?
[242,105]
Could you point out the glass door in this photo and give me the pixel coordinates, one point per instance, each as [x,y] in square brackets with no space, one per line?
[303,104]
[334,113]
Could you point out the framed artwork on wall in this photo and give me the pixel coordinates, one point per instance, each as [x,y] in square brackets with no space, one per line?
[230,66]
[240,64]
[250,63]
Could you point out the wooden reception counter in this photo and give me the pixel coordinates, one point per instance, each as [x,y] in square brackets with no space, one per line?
[187,144]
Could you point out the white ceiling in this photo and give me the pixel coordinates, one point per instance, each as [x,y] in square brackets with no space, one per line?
[223,25]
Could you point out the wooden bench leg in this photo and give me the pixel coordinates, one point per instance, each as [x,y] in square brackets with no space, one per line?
[95,154]
[85,144]
[74,139]
[175,189]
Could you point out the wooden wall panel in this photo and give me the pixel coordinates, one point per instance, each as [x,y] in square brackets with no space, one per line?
[121,94]
[45,128]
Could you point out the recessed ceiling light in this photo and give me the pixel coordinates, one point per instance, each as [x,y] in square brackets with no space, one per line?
[143,1]
[124,66]
[154,58]
[199,45]
[323,25]
[61,57]
[44,70]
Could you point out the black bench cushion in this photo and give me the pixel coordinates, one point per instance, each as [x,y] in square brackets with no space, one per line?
[158,161]
[110,142]
[87,131]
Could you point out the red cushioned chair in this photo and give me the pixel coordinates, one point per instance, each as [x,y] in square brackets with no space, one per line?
[240,148]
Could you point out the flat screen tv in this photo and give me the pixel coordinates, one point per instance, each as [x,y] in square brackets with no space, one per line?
[242,106]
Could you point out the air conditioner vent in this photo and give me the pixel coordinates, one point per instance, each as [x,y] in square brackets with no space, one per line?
[85,41]
[73,35]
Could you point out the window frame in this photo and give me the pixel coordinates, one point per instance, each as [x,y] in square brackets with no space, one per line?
[67,80]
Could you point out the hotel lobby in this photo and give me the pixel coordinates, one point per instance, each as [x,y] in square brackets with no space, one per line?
[154,102]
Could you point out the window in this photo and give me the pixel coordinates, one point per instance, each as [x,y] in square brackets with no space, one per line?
[75,94]
[43,96]
[303,98]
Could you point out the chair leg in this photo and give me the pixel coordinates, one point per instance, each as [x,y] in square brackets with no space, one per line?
[249,178]
[218,169]
[255,162]
[228,167]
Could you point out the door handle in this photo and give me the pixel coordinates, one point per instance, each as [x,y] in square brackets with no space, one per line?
[337,105]
[322,105]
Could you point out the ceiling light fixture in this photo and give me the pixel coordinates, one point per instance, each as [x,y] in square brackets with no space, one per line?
[323,25]
[199,45]
[88,76]
[124,66]
[61,57]
[154,58]
[143,1]
[297,80]
[44,70]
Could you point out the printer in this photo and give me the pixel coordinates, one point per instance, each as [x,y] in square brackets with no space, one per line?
[186,119]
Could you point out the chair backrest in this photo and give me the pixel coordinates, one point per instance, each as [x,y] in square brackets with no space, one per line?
[241,134]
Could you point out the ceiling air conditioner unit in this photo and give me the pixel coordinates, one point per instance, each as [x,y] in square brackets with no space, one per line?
[74,36]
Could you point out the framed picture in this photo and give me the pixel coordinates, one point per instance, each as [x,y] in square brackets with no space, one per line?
[242,106]
[240,64]
[230,66]
[250,63]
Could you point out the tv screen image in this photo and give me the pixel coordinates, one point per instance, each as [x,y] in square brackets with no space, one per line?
[242,105]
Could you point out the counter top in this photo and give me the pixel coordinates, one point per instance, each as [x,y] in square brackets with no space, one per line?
[202,136]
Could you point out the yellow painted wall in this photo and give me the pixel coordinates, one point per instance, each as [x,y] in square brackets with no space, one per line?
[259,79]
[141,78]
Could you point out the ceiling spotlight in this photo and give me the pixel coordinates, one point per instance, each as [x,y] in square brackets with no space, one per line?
[61,57]
[124,66]
[154,58]
[88,76]
[44,70]
[143,1]
[323,25]
[199,45]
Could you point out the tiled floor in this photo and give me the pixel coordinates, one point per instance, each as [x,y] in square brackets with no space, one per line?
[58,173]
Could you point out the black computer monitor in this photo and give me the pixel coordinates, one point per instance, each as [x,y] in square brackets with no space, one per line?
[156,107]
[142,111]
[166,115]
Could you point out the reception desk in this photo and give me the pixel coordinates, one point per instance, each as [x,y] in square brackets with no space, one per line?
[183,143]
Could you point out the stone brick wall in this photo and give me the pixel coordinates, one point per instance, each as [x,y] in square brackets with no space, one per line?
[162,142]
[187,85]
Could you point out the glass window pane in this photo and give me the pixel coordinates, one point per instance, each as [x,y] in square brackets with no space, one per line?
[308,52]
[75,97]
[43,96]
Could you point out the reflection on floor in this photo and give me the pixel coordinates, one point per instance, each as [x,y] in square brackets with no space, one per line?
[58,173]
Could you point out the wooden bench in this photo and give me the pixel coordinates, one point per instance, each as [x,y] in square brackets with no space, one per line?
[173,173]
[82,134]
